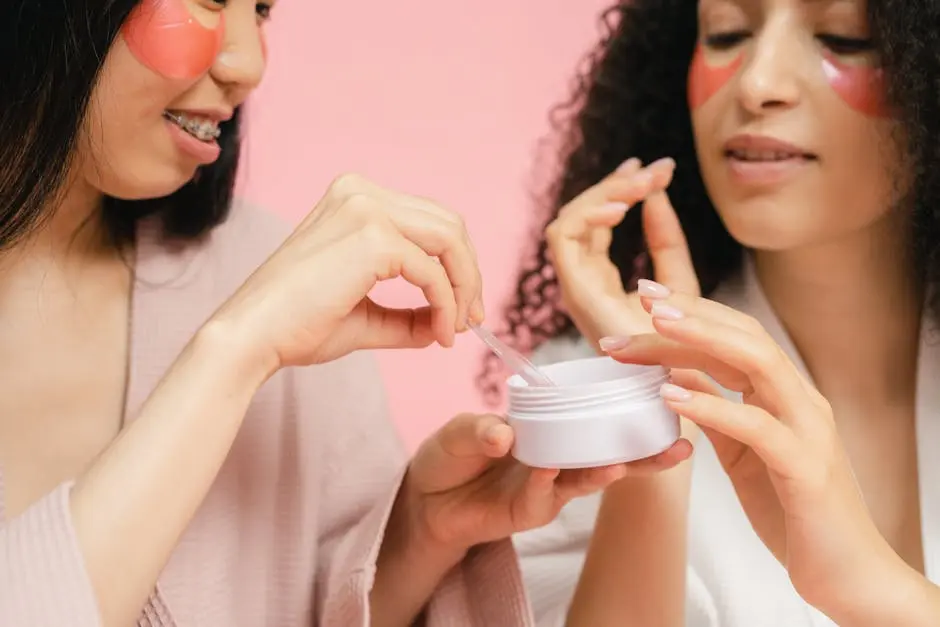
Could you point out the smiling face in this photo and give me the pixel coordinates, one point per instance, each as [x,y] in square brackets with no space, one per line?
[178,69]
[795,144]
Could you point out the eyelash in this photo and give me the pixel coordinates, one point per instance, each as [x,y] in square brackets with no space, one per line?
[836,43]
[263,9]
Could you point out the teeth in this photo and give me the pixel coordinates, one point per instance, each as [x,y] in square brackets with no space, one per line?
[763,155]
[200,128]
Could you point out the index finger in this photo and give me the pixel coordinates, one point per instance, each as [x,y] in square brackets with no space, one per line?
[667,245]
[419,218]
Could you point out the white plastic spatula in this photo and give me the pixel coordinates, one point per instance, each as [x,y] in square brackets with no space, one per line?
[515,360]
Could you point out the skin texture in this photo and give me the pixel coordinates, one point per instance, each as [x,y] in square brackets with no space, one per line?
[65,295]
[860,86]
[166,37]
[706,79]
[781,92]
[831,247]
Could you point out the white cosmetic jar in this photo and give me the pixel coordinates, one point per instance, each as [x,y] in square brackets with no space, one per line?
[599,412]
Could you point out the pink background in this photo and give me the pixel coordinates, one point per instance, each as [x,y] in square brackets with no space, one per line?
[446,100]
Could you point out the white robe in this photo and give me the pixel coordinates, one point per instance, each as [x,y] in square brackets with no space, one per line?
[732,579]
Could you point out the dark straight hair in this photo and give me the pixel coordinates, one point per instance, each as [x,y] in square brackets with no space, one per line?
[54,51]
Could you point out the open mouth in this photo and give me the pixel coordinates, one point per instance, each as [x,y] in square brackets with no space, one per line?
[202,128]
[768,156]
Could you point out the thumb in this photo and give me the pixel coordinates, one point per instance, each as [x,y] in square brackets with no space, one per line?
[668,248]
[460,451]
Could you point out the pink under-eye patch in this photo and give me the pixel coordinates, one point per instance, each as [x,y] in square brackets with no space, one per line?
[705,80]
[859,86]
[165,37]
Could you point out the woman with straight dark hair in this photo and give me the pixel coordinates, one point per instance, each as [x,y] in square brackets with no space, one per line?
[161,462]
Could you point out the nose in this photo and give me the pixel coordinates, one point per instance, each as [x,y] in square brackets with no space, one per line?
[770,79]
[240,64]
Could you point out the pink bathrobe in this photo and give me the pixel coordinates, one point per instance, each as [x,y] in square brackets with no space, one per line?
[289,533]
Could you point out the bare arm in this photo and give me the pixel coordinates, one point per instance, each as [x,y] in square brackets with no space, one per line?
[407,572]
[635,568]
[636,563]
[168,456]
[889,593]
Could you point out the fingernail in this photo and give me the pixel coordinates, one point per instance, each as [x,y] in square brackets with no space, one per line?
[629,163]
[665,312]
[494,434]
[608,344]
[662,163]
[491,435]
[643,178]
[652,289]
[672,392]
[615,207]
[477,312]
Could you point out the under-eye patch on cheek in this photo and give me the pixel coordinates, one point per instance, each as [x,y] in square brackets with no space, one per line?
[166,38]
[859,86]
[705,80]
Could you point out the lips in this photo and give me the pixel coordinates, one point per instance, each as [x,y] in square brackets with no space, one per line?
[763,149]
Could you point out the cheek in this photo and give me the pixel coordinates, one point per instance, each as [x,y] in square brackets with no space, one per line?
[165,37]
[705,80]
[860,87]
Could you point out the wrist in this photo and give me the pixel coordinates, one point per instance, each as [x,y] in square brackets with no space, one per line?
[410,565]
[885,591]
[409,535]
[225,340]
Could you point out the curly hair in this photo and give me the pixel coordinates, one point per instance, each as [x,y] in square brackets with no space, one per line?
[630,101]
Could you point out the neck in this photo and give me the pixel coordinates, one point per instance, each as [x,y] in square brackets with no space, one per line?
[853,308]
[72,235]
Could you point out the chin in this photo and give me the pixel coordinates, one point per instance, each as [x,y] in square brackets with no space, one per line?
[158,182]
[770,231]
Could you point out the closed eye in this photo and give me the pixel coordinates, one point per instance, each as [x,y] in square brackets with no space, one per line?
[845,45]
[724,41]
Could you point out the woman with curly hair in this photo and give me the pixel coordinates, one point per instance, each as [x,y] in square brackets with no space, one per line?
[796,263]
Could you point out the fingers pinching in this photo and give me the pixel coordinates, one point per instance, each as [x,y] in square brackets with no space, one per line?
[401,257]
[440,233]
[605,203]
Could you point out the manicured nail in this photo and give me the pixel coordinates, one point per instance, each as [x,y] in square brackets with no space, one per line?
[665,162]
[609,344]
[632,162]
[672,392]
[665,312]
[652,289]
[643,178]
[614,207]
